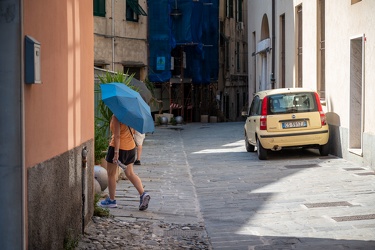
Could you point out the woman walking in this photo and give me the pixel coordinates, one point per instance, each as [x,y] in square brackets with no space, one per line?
[122,149]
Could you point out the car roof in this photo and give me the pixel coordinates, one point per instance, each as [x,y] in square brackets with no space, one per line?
[264,93]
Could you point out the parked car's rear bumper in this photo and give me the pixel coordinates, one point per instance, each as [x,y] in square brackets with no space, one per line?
[294,139]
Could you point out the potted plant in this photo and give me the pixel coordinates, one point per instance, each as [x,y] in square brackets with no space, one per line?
[101,144]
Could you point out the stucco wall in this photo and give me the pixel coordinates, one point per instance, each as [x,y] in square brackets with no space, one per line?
[59,113]
[55,199]
[59,120]
[309,45]
[345,24]
[285,7]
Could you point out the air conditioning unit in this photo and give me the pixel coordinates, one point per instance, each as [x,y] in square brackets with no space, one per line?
[240,26]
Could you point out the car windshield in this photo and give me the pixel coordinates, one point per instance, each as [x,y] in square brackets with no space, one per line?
[291,103]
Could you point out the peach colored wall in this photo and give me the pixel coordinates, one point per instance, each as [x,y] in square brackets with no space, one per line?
[59,113]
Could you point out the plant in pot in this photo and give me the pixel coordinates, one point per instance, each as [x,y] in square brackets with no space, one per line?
[101,144]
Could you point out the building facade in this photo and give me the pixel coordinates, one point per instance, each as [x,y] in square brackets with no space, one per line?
[47,121]
[326,46]
[183,45]
[233,75]
[120,35]
[59,122]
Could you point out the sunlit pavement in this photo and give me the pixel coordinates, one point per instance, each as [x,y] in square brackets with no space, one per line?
[200,173]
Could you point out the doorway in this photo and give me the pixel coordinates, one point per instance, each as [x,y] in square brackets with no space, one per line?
[263,83]
[356,95]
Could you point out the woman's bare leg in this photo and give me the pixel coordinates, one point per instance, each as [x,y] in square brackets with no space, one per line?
[112,180]
[134,179]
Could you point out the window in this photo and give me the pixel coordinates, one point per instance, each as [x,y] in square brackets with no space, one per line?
[229,9]
[292,103]
[133,70]
[244,99]
[255,107]
[238,104]
[239,11]
[227,55]
[222,36]
[133,10]
[238,57]
[244,58]
[99,7]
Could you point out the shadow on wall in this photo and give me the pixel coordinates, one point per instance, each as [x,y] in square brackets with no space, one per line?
[334,122]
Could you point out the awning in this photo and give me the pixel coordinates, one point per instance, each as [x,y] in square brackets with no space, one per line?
[263,46]
[136,7]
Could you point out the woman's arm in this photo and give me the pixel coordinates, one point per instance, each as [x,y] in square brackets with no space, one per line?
[116,136]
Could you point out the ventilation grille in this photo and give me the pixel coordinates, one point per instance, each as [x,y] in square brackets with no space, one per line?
[353,169]
[329,204]
[186,233]
[367,173]
[355,217]
[302,166]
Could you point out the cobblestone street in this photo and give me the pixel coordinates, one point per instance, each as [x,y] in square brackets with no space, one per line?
[207,192]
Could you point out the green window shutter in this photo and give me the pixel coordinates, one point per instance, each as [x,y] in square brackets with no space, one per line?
[133,4]
[240,10]
[99,8]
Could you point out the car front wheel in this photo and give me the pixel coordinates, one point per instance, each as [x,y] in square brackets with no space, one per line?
[249,147]
[262,152]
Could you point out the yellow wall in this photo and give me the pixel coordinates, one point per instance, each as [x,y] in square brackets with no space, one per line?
[59,113]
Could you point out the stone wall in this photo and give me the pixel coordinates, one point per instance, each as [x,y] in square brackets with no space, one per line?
[55,198]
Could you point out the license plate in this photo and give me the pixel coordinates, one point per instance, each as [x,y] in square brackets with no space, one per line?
[294,124]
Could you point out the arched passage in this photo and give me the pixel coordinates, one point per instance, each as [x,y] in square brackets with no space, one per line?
[265,29]
[263,48]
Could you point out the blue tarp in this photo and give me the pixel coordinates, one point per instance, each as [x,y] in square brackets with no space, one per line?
[197,29]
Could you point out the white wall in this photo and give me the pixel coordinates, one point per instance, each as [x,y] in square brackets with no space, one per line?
[346,22]
[286,7]
[343,22]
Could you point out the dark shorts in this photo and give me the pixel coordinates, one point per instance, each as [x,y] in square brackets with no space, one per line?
[125,156]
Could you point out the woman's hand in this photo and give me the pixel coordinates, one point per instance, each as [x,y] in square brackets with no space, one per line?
[115,157]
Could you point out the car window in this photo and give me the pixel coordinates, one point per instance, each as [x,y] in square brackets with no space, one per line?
[254,106]
[259,108]
[292,103]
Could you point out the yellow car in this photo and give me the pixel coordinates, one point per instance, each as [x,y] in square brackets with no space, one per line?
[288,117]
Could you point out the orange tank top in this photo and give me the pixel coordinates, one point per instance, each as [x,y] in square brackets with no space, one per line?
[126,138]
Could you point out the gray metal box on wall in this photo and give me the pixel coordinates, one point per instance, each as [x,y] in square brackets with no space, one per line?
[32,60]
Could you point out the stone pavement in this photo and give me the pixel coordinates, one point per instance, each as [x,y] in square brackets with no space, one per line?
[207,192]
[172,220]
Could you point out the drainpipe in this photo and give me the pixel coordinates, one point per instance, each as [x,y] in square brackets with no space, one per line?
[273,44]
[113,35]
[84,167]
[12,163]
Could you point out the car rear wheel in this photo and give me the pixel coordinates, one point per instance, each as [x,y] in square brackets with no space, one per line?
[262,152]
[249,147]
[324,149]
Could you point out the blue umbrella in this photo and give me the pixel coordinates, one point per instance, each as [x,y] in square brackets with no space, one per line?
[128,106]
